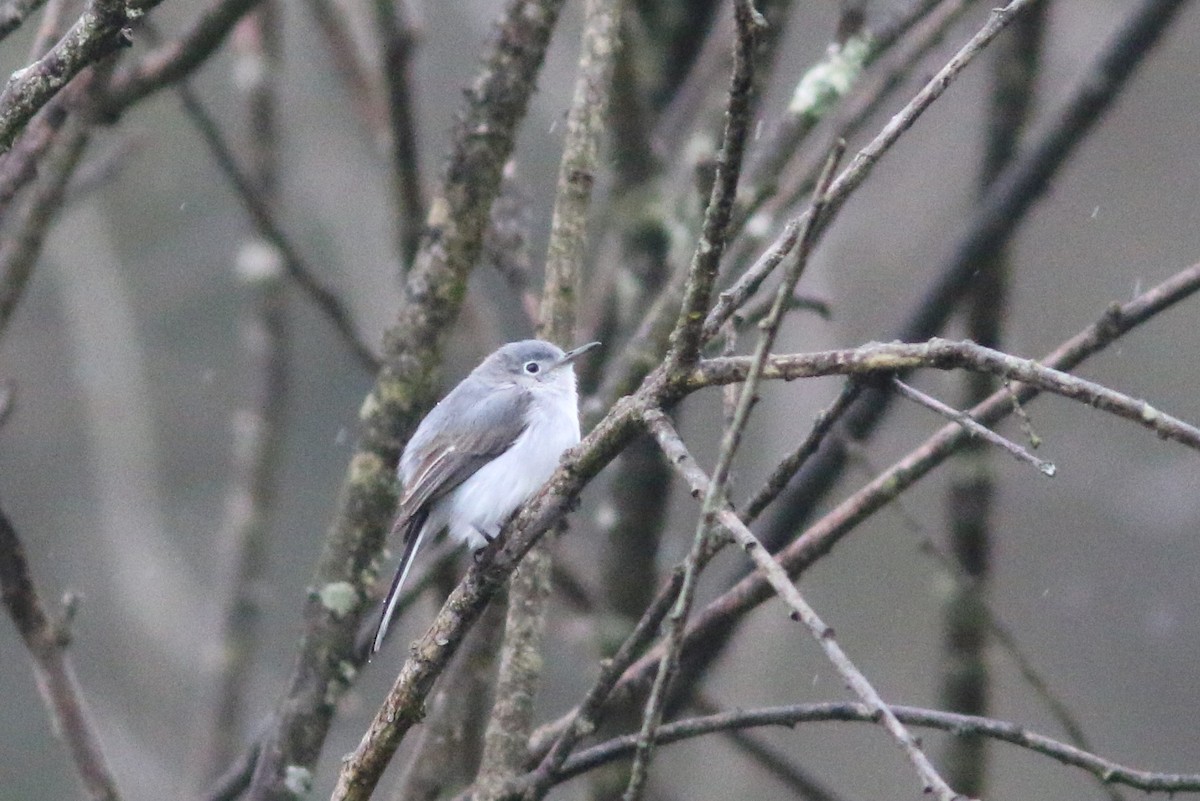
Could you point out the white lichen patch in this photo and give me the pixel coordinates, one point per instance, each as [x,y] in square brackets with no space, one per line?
[339,597]
[298,780]
[831,79]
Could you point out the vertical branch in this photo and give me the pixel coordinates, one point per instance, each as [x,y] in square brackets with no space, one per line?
[964,679]
[47,643]
[505,742]
[398,38]
[257,441]
[702,273]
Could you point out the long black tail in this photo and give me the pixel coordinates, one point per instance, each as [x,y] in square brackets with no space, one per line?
[412,541]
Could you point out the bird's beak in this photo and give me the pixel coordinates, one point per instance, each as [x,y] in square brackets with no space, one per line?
[575,353]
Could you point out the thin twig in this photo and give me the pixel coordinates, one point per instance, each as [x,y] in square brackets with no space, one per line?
[175,59]
[972,426]
[22,242]
[47,643]
[792,463]
[677,454]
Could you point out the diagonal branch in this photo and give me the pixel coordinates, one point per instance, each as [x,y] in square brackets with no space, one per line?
[173,60]
[98,33]
[980,432]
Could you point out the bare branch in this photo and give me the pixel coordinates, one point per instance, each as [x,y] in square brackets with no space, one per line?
[174,60]
[22,242]
[47,644]
[792,463]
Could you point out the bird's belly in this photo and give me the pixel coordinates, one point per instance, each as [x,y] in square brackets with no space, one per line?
[483,502]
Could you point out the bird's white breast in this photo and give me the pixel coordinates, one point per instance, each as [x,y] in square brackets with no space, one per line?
[483,502]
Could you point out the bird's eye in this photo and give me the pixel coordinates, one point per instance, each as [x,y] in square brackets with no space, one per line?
[532,367]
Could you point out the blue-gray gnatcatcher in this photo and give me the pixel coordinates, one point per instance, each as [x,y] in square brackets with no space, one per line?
[484,450]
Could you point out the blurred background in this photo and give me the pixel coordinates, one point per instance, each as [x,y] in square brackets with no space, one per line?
[129,366]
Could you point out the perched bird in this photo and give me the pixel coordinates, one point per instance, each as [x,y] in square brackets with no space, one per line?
[484,450]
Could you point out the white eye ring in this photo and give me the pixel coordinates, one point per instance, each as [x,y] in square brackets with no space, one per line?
[532,367]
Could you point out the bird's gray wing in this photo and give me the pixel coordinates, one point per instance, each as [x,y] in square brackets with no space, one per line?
[446,449]
[449,446]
